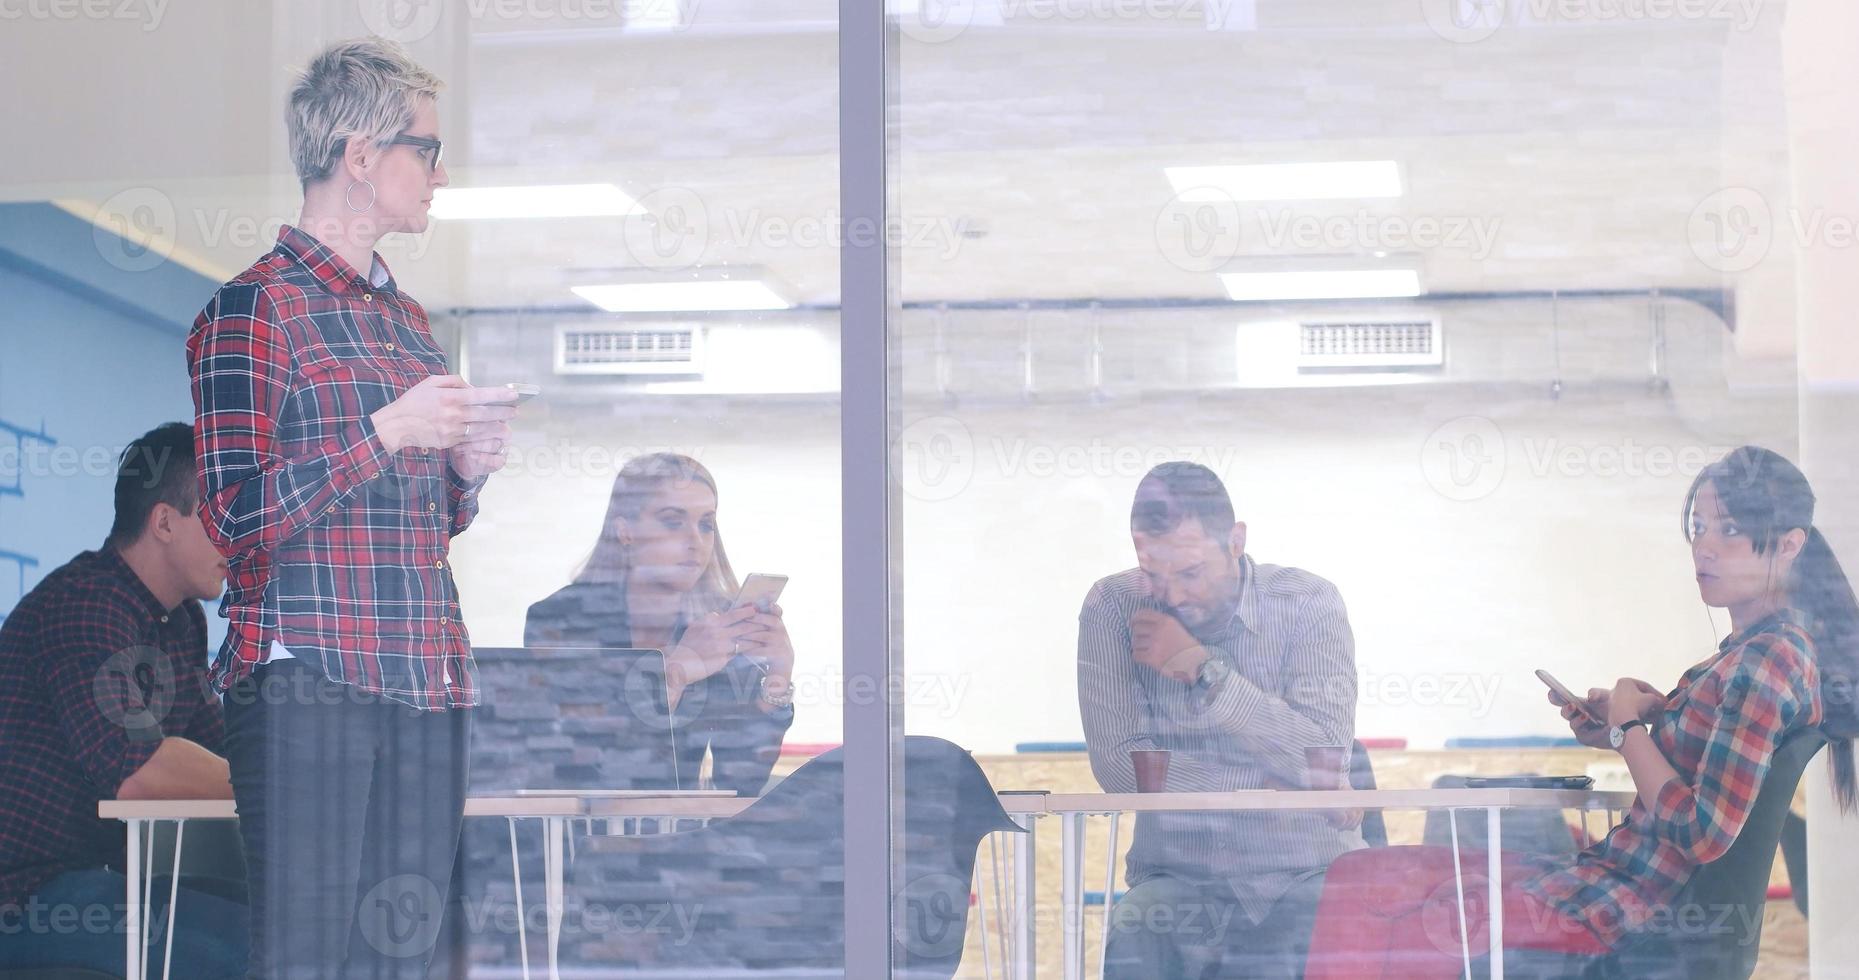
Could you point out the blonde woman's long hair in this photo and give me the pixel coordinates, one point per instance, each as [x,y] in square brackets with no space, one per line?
[641,479]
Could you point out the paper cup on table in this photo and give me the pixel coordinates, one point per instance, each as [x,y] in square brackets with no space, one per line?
[1151,769]
[1326,766]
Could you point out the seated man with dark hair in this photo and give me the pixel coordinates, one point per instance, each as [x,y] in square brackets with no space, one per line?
[103,696]
[1235,668]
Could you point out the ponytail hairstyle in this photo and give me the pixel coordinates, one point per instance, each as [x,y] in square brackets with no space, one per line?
[1768,496]
[641,479]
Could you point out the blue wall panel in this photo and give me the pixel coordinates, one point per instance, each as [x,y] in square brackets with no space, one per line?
[91,356]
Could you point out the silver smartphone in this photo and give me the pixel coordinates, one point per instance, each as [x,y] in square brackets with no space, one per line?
[1581,704]
[523,392]
[760,591]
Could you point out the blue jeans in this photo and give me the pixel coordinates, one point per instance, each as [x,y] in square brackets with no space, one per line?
[78,920]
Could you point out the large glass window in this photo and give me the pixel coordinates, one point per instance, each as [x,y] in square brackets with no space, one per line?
[640,220]
[1450,301]
[1456,300]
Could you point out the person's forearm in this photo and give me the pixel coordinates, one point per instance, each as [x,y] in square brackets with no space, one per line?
[1272,730]
[1650,769]
[179,770]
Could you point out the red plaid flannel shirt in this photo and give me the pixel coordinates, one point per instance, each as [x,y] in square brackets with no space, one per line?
[338,548]
[1721,727]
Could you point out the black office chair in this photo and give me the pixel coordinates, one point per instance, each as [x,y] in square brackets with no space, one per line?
[1731,891]
[765,890]
[212,858]
[1794,856]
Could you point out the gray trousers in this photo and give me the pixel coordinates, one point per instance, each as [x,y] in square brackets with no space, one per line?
[1169,928]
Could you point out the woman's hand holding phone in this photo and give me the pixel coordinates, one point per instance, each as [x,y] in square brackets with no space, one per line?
[1584,717]
[707,645]
[1587,717]
[1633,698]
[768,645]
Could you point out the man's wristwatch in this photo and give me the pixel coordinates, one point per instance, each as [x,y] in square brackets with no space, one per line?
[786,699]
[1212,674]
[1617,735]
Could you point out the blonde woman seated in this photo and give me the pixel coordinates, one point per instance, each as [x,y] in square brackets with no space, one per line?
[659,579]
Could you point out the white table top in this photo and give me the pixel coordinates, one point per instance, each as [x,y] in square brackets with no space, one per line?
[720,803]
[629,794]
[669,806]
[477,806]
[1345,799]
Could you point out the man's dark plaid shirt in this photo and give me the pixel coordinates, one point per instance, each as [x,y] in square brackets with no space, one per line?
[94,673]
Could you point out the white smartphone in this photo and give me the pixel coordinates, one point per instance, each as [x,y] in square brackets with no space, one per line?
[1581,704]
[760,591]
[523,392]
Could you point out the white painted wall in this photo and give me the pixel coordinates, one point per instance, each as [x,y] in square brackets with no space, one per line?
[1562,551]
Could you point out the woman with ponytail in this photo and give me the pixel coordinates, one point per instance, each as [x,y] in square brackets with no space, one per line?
[1697,754]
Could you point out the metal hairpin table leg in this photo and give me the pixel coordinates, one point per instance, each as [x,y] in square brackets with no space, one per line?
[554,829]
[1110,895]
[1495,862]
[1071,894]
[174,897]
[1458,879]
[137,939]
[1025,894]
[522,914]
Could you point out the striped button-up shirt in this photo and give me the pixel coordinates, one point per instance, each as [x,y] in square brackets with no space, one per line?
[1293,686]
[337,547]
[1719,729]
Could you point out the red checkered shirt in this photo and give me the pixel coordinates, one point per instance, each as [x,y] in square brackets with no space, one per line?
[1720,729]
[338,548]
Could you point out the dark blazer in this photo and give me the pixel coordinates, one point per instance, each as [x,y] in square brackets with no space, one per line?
[720,713]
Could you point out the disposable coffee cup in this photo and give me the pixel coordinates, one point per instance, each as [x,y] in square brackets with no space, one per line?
[1151,769]
[1326,766]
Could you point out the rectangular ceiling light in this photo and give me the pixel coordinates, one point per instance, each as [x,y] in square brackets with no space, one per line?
[1287,181]
[536,201]
[1327,284]
[683,297]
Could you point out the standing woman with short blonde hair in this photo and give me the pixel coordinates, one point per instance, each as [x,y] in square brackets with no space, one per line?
[337,459]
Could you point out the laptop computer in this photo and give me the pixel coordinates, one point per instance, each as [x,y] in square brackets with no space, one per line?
[574,718]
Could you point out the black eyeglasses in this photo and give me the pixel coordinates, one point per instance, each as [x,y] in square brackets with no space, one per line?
[422,143]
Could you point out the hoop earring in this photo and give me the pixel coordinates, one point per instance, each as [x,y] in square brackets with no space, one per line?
[351,190]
